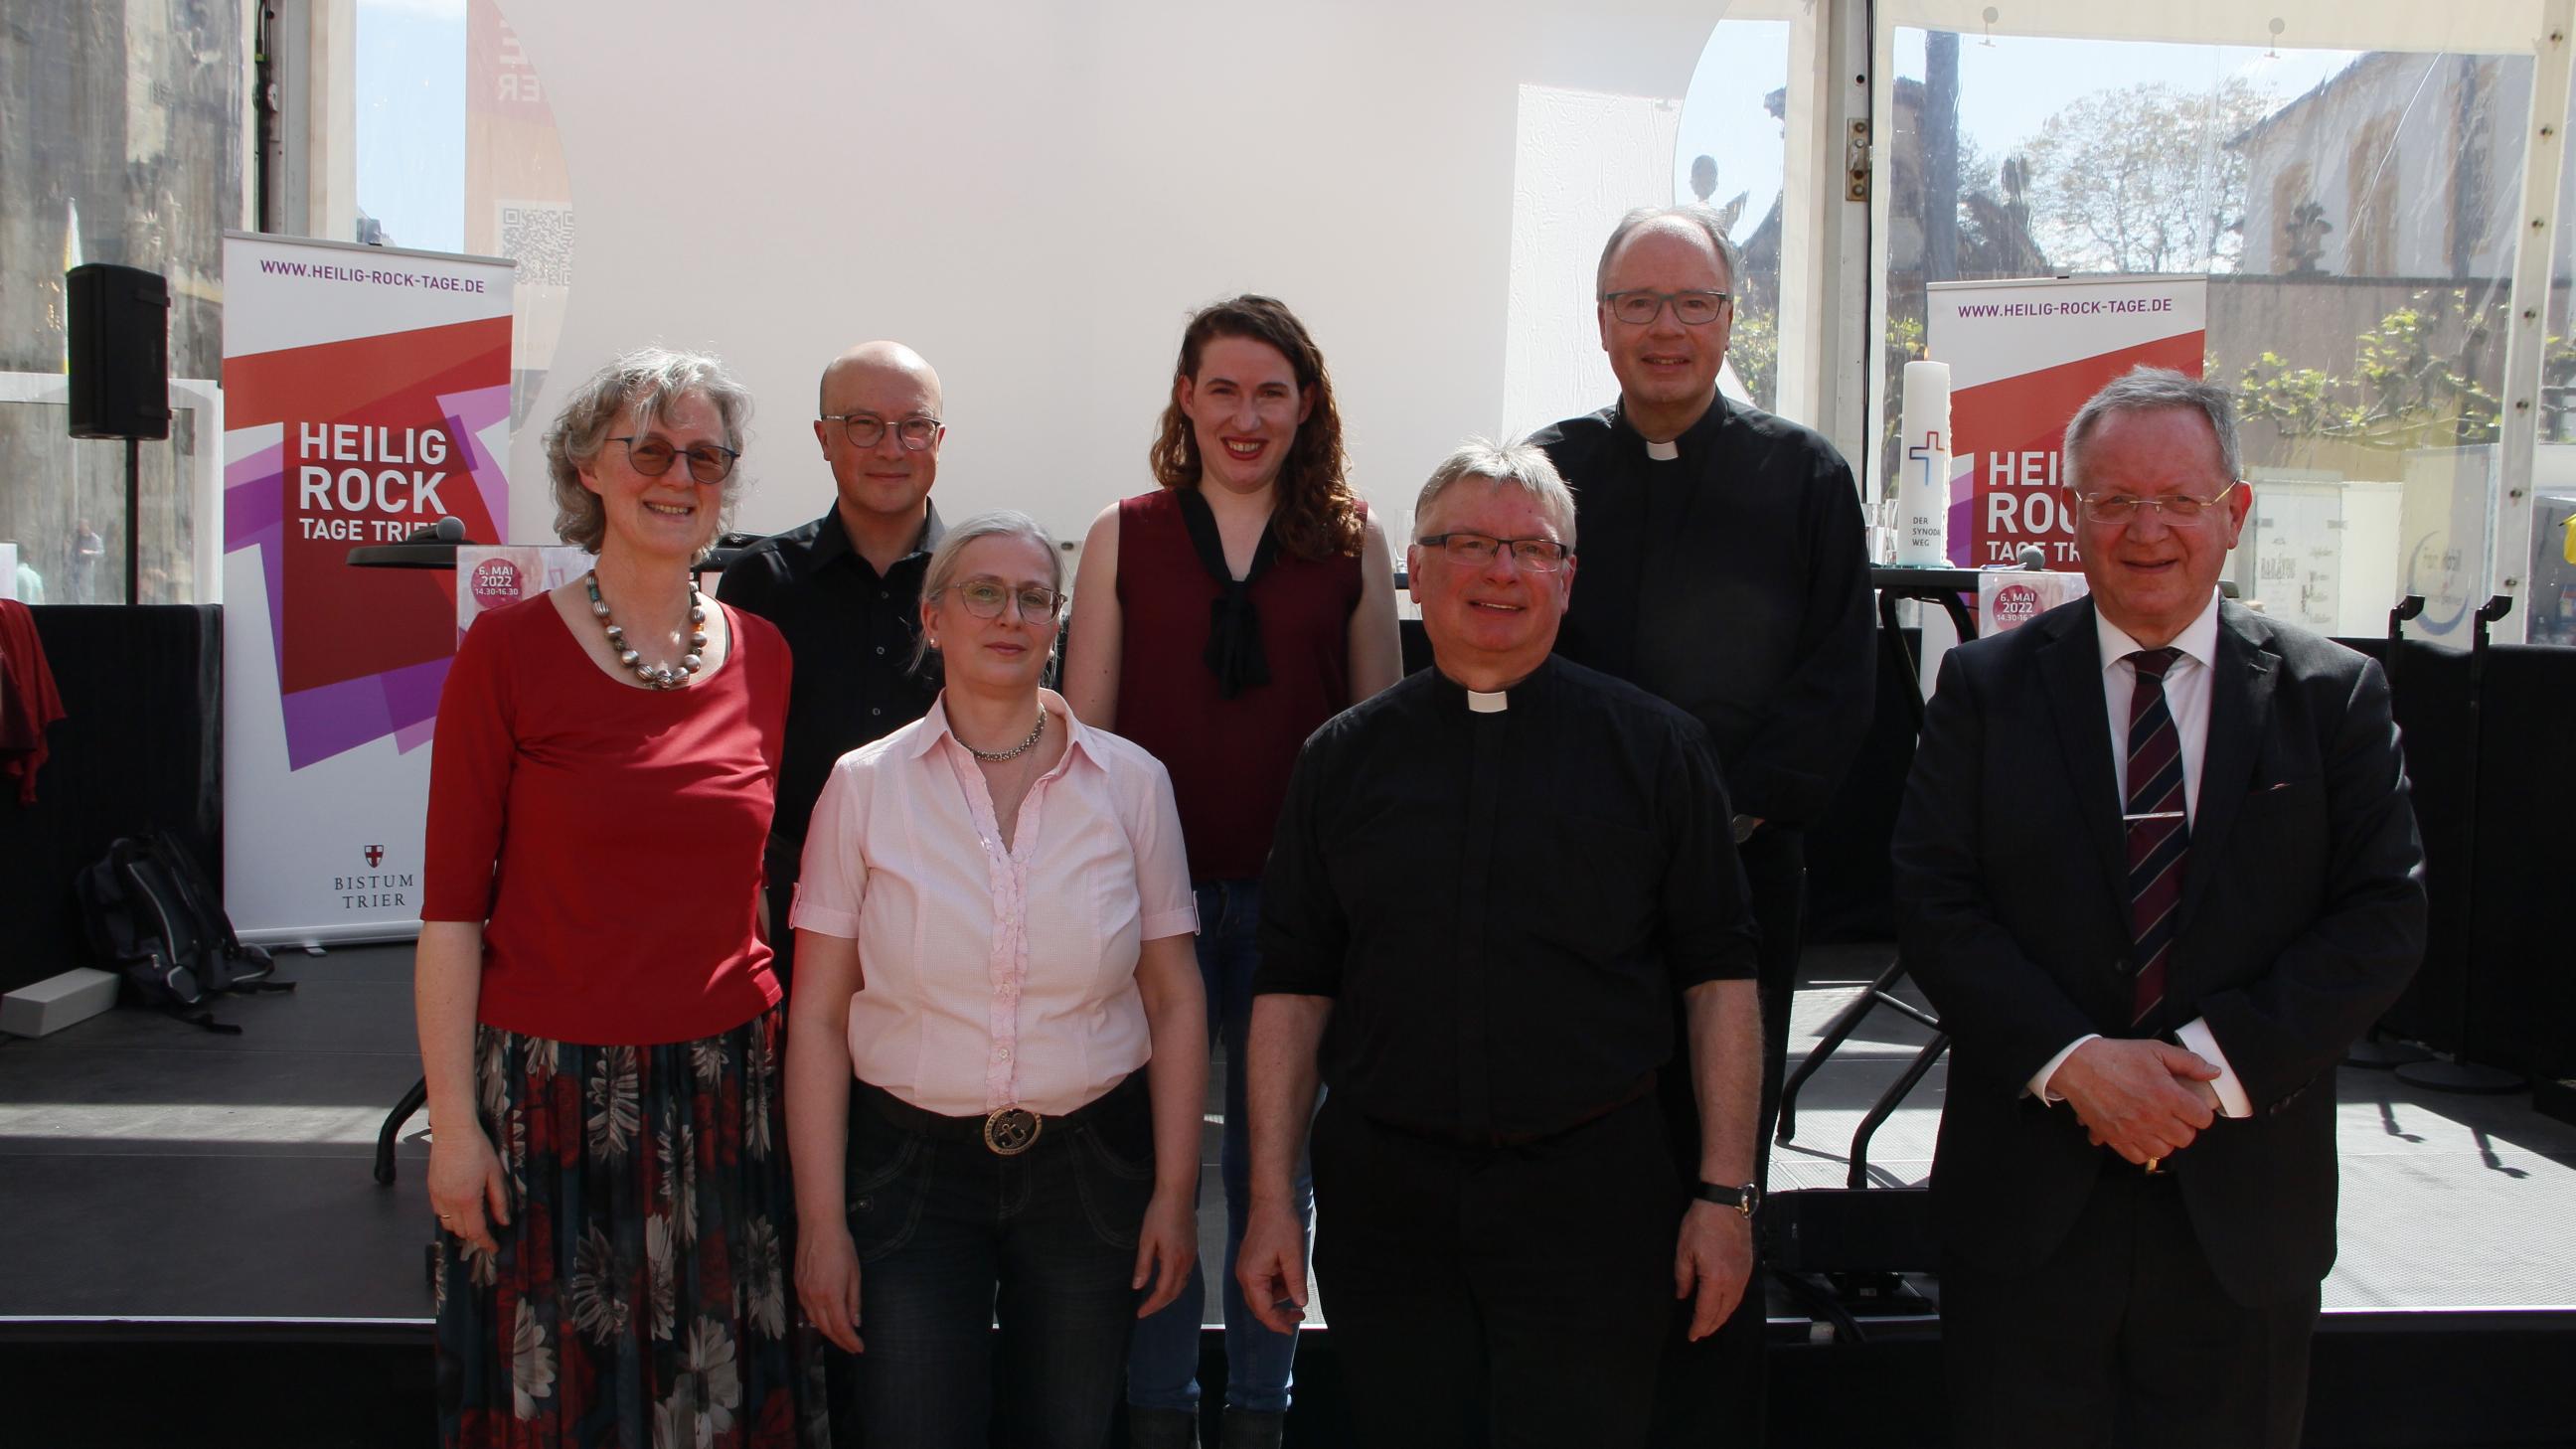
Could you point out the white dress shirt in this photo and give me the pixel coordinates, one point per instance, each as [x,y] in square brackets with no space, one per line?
[2187,699]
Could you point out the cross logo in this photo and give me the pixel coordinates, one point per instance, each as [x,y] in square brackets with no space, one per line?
[375,855]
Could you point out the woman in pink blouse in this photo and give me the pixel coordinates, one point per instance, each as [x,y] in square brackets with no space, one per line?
[995,926]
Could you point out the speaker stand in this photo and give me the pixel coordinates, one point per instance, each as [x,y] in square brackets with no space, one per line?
[133,520]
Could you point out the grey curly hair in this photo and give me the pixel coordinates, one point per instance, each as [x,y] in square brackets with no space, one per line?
[645,380]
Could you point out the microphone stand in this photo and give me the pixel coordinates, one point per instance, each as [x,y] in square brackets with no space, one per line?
[2454,1073]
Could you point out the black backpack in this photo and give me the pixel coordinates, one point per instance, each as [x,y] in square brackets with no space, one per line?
[152,917]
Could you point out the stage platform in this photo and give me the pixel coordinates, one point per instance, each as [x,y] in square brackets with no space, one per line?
[197,1254]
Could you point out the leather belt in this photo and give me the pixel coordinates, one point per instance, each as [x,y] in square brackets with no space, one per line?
[1004,1131]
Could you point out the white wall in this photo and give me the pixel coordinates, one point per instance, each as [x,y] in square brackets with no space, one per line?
[1035,195]
[1584,160]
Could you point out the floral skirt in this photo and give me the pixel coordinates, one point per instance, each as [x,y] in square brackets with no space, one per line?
[643,1297]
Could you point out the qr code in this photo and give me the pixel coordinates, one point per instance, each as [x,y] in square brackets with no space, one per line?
[538,236]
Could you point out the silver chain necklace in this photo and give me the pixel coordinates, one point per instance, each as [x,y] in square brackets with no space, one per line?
[655,676]
[1015,751]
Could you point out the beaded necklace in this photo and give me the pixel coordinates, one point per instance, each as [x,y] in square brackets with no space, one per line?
[655,676]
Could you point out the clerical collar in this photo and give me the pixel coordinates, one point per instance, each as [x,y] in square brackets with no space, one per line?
[1696,440]
[1525,690]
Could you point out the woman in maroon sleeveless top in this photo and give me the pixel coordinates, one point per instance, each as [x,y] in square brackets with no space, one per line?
[1217,621]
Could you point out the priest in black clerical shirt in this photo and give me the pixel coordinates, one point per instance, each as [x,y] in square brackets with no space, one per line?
[1726,569]
[1495,889]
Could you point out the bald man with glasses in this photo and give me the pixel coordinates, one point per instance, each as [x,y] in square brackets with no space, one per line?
[846,588]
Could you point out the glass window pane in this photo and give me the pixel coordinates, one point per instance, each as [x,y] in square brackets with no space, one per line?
[120,143]
[2352,211]
[1732,154]
[457,152]
[71,533]
[2552,595]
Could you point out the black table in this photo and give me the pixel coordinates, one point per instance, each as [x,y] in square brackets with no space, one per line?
[1935,586]
[443,556]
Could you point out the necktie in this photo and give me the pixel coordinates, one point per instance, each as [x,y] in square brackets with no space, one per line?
[2159,832]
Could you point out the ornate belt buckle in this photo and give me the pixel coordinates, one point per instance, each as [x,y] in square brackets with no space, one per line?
[1010,1131]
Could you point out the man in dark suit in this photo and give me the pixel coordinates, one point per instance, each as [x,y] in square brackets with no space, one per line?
[2150,941]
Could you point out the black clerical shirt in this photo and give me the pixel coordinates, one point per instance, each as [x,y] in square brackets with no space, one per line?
[1504,904]
[1733,580]
[851,633]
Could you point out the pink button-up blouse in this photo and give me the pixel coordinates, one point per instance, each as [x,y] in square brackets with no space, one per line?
[993,977]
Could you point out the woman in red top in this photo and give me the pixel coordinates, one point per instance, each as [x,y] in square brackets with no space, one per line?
[1217,621]
[598,1023]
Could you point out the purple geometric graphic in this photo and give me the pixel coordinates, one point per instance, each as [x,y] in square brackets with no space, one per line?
[335,718]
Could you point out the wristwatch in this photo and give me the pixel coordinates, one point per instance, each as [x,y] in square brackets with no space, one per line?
[1744,1200]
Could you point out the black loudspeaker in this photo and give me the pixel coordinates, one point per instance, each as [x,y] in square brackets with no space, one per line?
[120,352]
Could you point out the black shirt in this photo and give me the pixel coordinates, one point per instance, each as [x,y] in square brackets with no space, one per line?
[852,635]
[1732,580]
[1504,905]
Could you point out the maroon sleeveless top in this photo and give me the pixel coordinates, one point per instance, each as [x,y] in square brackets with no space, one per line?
[1229,758]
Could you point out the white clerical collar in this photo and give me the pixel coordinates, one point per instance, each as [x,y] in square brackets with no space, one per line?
[1663,452]
[1479,702]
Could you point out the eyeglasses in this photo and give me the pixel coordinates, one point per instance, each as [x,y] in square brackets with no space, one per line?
[708,462]
[1477,550]
[983,598]
[2178,510]
[1691,309]
[866,429]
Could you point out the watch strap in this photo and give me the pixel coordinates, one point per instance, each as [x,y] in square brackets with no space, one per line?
[1743,1199]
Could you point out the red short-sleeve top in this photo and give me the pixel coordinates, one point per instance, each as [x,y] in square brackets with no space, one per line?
[608,838]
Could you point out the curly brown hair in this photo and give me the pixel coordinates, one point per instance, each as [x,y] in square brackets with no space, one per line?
[1317,515]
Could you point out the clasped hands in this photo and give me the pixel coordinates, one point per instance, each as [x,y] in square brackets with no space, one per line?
[2145,1100]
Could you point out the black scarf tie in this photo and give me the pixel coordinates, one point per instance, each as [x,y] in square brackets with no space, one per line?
[1234,651]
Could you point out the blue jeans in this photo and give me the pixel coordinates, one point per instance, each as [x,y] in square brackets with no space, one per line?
[951,1237]
[1163,1353]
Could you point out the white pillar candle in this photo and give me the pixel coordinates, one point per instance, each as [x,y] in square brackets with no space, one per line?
[1923,467]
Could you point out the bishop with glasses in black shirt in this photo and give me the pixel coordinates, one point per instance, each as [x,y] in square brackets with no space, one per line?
[1726,570]
[1493,890]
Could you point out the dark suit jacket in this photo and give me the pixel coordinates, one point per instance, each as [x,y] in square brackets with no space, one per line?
[2302,918]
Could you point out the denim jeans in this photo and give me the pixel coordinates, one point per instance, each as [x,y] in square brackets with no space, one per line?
[1163,1358]
[951,1236]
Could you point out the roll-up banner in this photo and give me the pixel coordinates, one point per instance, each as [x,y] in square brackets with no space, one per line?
[367,392]
[2024,355]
